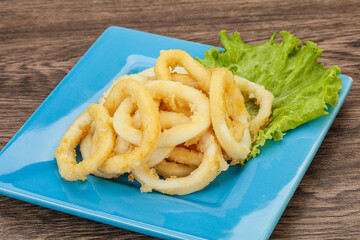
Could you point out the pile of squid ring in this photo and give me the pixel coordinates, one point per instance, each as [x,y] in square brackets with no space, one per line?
[174,127]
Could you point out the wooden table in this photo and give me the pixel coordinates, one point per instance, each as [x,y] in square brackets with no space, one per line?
[40,41]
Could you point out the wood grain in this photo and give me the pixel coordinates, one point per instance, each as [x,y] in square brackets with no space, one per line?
[40,41]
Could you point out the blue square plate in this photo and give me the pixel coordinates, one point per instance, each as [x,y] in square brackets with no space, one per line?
[242,203]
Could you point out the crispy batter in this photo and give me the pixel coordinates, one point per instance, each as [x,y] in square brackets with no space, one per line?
[229,118]
[183,124]
[263,98]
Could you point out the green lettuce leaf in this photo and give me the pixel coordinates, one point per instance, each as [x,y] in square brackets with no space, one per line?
[302,87]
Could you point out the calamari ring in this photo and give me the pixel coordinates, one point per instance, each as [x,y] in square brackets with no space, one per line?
[137,77]
[87,146]
[180,163]
[85,143]
[158,156]
[178,74]
[185,79]
[199,121]
[167,119]
[121,146]
[264,99]
[171,119]
[175,105]
[211,165]
[185,156]
[119,164]
[222,82]
[172,58]
[65,155]
[86,150]
[168,169]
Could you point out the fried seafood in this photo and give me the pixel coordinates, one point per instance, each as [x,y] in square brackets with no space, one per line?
[167,169]
[229,118]
[172,58]
[104,142]
[211,165]
[150,118]
[160,89]
[169,127]
[263,98]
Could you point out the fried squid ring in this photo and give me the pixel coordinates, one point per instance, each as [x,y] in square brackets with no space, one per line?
[222,86]
[87,146]
[175,105]
[186,156]
[167,119]
[85,143]
[135,77]
[65,155]
[199,121]
[168,169]
[121,146]
[264,99]
[211,165]
[181,162]
[172,58]
[159,154]
[185,79]
[171,119]
[121,163]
